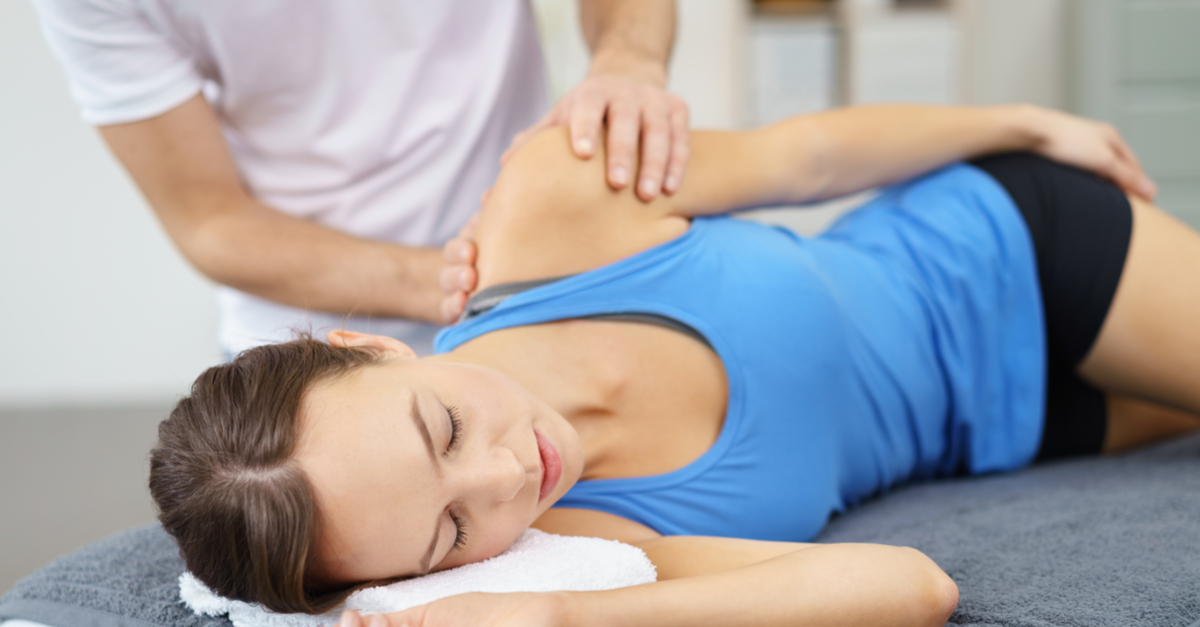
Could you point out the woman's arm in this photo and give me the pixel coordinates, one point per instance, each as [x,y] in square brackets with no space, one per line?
[825,155]
[551,214]
[727,582]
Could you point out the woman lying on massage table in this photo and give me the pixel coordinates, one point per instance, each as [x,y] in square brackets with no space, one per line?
[705,388]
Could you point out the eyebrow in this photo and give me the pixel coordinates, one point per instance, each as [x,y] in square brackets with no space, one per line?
[415,412]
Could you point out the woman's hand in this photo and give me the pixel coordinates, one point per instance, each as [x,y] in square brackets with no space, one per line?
[1091,145]
[474,610]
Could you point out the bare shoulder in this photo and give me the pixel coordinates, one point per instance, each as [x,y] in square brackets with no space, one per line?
[552,213]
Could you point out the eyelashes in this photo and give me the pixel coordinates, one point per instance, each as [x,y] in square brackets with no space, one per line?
[460,525]
[455,427]
[460,535]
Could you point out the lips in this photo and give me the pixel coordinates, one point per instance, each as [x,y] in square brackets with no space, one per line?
[551,466]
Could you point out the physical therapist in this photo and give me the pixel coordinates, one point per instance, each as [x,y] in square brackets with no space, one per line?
[312,157]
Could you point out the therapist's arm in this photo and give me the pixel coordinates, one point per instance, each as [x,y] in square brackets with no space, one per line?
[631,44]
[182,165]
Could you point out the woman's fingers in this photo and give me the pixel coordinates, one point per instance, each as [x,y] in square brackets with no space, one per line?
[351,618]
[1142,184]
[1098,147]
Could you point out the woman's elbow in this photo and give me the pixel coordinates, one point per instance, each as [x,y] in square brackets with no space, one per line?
[938,594]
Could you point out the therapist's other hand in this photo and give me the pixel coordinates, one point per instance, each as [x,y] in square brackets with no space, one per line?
[1091,145]
[635,107]
[458,271]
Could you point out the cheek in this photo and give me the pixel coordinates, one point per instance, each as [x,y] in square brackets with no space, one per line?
[495,540]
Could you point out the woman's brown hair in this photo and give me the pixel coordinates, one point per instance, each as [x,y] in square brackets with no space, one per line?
[226,486]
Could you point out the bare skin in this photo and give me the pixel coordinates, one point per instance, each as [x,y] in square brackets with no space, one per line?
[627,388]
[1147,356]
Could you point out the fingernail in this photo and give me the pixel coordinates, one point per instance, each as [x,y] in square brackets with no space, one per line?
[672,183]
[583,146]
[463,275]
[620,175]
[649,187]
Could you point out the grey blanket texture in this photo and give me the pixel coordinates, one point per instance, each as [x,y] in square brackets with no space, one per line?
[130,579]
[1092,541]
[1096,541]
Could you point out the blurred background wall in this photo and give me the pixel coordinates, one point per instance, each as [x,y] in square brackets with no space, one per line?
[105,324]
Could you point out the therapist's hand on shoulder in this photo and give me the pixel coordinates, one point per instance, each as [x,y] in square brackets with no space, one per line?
[635,109]
[647,140]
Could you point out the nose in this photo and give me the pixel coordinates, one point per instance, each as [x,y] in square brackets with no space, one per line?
[498,477]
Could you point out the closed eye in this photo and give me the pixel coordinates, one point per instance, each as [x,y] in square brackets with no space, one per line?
[460,534]
[455,427]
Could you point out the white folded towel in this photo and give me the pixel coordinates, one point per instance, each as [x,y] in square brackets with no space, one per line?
[536,562]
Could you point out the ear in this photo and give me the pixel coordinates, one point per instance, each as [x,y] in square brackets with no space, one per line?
[374,343]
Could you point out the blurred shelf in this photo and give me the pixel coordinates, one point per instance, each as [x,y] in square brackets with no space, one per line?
[791,8]
[807,55]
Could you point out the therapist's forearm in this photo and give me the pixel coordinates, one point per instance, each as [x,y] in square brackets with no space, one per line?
[863,147]
[182,166]
[629,36]
[295,262]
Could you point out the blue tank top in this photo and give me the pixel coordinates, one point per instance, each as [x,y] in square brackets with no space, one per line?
[905,342]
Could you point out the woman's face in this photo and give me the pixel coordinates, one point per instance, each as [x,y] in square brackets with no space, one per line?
[420,466]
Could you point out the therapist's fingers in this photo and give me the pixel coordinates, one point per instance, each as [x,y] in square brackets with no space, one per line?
[459,251]
[459,277]
[587,119]
[680,147]
[656,148]
[453,306]
[624,122]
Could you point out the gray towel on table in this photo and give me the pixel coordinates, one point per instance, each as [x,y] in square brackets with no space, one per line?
[1092,541]
[130,579]
[1096,541]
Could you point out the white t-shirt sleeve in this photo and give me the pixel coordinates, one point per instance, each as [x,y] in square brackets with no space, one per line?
[120,67]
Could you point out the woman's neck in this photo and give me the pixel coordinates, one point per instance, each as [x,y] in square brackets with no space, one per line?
[644,399]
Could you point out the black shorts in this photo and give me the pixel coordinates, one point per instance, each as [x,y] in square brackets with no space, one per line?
[1081,226]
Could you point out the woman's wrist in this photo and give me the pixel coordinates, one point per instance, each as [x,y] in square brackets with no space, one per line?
[574,609]
[1025,126]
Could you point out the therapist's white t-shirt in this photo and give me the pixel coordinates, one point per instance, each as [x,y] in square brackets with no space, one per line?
[381,118]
